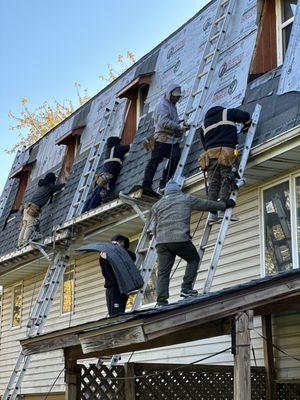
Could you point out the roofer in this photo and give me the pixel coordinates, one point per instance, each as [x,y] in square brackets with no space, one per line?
[105,181]
[171,229]
[219,138]
[165,141]
[31,210]
[115,298]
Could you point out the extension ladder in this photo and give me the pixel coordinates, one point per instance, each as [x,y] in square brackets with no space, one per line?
[18,162]
[92,162]
[38,316]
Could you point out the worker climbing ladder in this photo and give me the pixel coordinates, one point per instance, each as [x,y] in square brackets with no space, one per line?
[38,317]
[92,162]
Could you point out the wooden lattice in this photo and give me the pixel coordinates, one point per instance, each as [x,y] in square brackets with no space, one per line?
[287,392]
[96,383]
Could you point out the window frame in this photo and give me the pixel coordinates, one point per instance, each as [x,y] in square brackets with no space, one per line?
[291,179]
[279,30]
[12,305]
[62,313]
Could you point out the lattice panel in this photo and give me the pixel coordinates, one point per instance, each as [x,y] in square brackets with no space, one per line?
[96,383]
[288,392]
[194,385]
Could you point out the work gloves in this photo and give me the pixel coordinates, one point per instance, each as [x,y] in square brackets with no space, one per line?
[230,203]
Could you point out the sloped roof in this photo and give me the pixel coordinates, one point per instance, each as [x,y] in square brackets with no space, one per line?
[279,113]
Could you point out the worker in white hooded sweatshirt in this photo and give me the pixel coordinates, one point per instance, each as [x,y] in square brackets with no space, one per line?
[168,134]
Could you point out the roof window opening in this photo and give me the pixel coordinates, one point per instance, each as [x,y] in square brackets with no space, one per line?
[72,143]
[273,37]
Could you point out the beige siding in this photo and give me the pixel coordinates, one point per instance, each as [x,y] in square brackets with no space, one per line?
[286,329]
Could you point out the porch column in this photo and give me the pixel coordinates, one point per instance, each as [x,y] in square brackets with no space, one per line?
[242,360]
[269,357]
[71,377]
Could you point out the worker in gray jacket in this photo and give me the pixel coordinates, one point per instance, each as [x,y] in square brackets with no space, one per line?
[167,136]
[31,210]
[171,229]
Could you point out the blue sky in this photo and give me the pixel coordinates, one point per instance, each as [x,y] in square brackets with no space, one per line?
[48,46]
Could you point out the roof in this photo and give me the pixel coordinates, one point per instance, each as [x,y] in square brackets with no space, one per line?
[201,317]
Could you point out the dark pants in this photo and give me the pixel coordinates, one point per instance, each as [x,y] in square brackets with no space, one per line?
[161,151]
[218,181]
[116,301]
[166,256]
[95,199]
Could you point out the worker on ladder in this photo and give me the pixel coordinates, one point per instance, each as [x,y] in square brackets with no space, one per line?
[115,298]
[31,210]
[171,229]
[165,141]
[105,181]
[219,138]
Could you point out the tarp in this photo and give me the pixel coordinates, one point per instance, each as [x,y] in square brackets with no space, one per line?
[127,274]
[290,74]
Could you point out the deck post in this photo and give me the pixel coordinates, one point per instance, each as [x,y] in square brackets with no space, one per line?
[71,377]
[129,382]
[242,360]
[269,357]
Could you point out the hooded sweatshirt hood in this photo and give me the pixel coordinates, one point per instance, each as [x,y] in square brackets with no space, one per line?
[172,187]
[213,111]
[113,141]
[170,89]
[49,179]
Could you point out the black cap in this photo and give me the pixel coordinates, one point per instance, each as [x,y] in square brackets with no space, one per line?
[113,141]
[118,237]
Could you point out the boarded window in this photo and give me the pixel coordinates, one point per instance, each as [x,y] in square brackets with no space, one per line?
[67,303]
[17,294]
[277,229]
[72,143]
[23,181]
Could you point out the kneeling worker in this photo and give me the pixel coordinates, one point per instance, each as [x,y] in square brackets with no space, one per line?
[31,210]
[116,299]
[171,229]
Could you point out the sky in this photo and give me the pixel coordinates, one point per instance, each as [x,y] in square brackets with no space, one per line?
[48,46]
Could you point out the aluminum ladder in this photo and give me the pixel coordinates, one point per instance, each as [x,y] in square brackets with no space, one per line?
[92,162]
[38,317]
[228,213]
[18,162]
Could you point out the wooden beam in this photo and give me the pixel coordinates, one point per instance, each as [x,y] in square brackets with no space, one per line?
[72,374]
[242,360]
[129,382]
[269,357]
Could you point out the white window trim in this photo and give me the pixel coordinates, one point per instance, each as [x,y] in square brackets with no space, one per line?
[291,179]
[279,27]
[12,305]
[63,314]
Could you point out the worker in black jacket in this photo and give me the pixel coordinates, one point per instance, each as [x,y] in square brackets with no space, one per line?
[219,137]
[105,181]
[31,210]
[115,300]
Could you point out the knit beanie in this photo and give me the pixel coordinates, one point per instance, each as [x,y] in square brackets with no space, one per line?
[118,237]
[172,186]
[49,178]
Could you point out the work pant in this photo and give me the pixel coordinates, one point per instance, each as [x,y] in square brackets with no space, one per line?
[218,181]
[28,227]
[162,150]
[95,199]
[116,301]
[166,256]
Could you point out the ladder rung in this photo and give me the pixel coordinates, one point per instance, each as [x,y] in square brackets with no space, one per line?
[82,188]
[215,36]
[208,55]
[87,173]
[143,251]
[220,19]
[207,246]
[76,204]
[92,158]
[188,112]
[197,92]
[224,3]
[102,129]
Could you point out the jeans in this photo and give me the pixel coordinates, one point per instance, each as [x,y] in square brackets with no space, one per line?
[28,227]
[116,301]
[162,150]
[95,199]
[219,185]
[166,256]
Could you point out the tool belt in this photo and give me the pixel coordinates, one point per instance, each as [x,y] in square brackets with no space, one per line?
[226,156]
[149,143]
[103,179]
[32,209]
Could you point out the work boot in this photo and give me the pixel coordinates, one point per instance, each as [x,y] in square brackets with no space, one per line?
[212,218]
[148,191]
[234,218]
[188,293]
[161,304]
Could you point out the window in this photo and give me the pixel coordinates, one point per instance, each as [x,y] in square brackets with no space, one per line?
[285,14]
[136,93]
[17,294]
[67,295]
[281,226]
